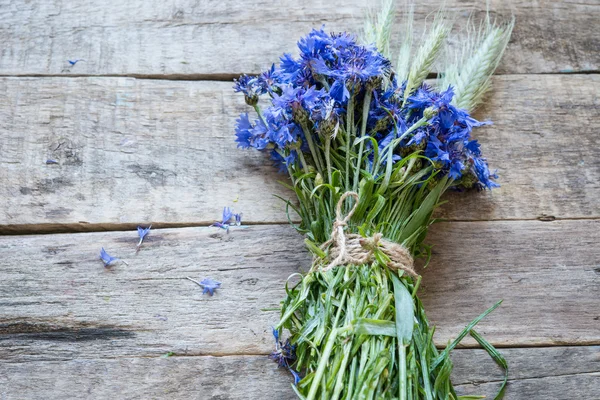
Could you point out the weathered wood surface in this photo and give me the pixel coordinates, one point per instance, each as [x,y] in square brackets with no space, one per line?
[132,151]
[175,39]
[535,374]
[54,291]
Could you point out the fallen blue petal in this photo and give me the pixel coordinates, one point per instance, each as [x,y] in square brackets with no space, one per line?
[143,233]
[222,226]
[106,258]
[210,286]
[51,161]
[227,214]
[238,219]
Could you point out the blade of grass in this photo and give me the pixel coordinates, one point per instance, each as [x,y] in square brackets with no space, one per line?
[496,356]
[444,354]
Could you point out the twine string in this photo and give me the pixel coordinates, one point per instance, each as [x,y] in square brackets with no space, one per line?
[353,249]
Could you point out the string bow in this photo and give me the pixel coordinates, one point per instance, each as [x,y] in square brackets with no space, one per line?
[353,249]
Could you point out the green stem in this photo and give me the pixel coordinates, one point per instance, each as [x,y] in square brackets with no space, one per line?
[328,158]
[313,149]
[324,82]
[339,384]
[363,129]
[324,358]
[390,147]
[349,125]
[416,286]
[402,367]
[257,109]
[390,153]
[350,387]
[303,161]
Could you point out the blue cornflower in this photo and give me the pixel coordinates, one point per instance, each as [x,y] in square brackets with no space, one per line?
[355,65]
[424,97]
[208,285]
[325,108]
[269,80]
[316,43]
[251,86]
[293,105]
[284,355]
[282,162]
[482,172]
[142,234]
[275,130]
[243,131]
[290,68]
[317,46]
[106,258]
[339,91]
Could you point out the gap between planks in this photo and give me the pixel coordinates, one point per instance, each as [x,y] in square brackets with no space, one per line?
[227,77]
[84,227]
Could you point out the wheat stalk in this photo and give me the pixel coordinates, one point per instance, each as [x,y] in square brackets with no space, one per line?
[378,28]
[427,54]
[478,58]
[404,52]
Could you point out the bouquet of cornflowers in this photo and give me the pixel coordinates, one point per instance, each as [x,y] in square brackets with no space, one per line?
[369,148]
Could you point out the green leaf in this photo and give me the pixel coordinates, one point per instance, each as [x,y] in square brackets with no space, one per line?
[378,327]
[376,208]
[405,311]
[313,248]
[420,217]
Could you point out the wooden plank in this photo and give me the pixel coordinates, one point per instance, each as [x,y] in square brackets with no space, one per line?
[132,151]
[582,386]
[535,373]
[533,266]
[185,38]
[59,302]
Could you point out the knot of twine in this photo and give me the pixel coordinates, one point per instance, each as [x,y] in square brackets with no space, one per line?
[353,249]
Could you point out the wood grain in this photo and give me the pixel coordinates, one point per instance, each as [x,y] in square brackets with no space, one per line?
[535,373]
[132,151]
[59,302]
[185,39]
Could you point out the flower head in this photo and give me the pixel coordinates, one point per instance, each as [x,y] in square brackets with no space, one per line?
[251,86]
[243,131]
[106,258]
[284,355]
